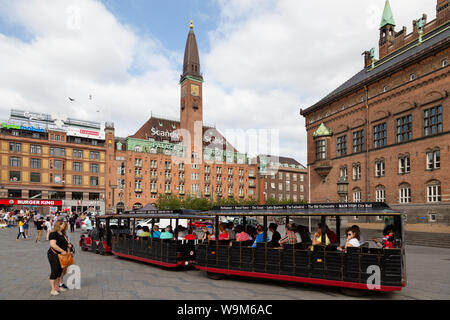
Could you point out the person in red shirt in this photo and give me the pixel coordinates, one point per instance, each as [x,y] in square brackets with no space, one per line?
[387,241]
[191,235]
[223,233]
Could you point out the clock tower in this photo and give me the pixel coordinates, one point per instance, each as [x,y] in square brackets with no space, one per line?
[191,106]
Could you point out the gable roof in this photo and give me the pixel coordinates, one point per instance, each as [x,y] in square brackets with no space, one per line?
[438,38]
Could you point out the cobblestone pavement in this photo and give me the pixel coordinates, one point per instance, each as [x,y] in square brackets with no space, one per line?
[25,271]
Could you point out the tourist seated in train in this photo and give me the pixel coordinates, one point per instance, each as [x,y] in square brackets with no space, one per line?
[223,232]
[241,235]
[156,233]
[260,236]
[352,240]
[304,234]
[362,241]
[205,233]
[387,241]
[231,232]
[191,235]
[138,230]
[317,238]
[181,231]
[332,236]
[290,237]
[167,234]
[250,231]
[275,235]
[145,232]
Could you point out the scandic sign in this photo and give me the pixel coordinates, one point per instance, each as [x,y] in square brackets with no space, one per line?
[21,202]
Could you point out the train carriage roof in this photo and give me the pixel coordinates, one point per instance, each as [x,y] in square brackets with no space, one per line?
[320,209]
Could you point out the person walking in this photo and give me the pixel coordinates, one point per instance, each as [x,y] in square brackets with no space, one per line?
[72,223]
[58,245]
[40,228]
[21,230]
[47,228]
[26,225]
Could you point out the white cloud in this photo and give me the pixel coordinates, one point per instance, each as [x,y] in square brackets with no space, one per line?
[268,58]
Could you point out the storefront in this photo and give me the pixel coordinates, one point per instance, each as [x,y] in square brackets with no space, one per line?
[84,206]
[39,206]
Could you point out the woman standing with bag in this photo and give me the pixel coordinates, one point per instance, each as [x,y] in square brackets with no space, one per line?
[59,250]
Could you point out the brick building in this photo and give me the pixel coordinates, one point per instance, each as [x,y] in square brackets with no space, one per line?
[171,157]
[44,157]
[282,179]
[384,135]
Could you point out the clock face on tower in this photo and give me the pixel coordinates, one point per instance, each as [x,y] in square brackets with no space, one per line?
[195,90]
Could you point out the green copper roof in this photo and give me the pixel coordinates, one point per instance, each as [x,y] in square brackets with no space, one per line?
[322,131]
[388,17]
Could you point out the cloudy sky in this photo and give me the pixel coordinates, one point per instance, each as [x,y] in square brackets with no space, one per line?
[261,59]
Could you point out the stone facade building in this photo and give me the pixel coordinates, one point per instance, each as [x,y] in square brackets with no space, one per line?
[282,179]
[44,157]
[384,135]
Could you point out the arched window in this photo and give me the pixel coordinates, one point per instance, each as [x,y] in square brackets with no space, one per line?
[434,191]
[444,62]
[404,193]
[356,194]
[380,193]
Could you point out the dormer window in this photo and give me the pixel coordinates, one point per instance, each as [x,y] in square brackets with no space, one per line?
[412,77]
[444,63]
[385,88]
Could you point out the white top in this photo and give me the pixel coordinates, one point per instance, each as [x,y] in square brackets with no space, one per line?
[354,242]
[299,238]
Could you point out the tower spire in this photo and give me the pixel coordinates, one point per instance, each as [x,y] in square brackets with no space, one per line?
[388,17]
[191,63]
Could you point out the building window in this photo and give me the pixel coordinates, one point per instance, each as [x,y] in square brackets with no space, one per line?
[320,150]
[77,153]
[412,76]
[379,168]
[14,162]
[15,147]
[94,181]
[444,63]
[59,152]
[14,176]
[343,172]
[77,180]
[404,128]
[36,149]
[358,141]
[432,217]
[357,171]
[35,194]
[95,155]
[403,164]
[35,177]
[280,175]
[58,164]
[404,193]
[77,166]
[341,146]
[380,194]
[35,163]
[357,195]
[433,160]
[432,121]
[94,168]
[379,135]
[385,89]
[434,192]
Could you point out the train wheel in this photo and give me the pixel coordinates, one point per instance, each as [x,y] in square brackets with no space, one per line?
[214,276]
